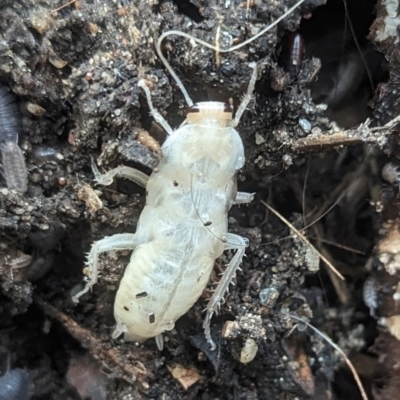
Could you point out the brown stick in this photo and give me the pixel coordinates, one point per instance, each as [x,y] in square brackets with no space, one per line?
[361,134]
[109,358]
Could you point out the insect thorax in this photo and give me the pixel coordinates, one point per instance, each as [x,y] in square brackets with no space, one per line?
[220,112]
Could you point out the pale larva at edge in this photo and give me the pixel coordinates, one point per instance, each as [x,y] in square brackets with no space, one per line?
[183,227]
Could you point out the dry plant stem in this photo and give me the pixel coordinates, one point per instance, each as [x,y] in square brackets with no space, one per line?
[339,350]
[322,211]
[303,238]
[303,195]
[217,47]
[339,246]
[361,134]
[113,356]
[338,193]
[340,286]
[63,6]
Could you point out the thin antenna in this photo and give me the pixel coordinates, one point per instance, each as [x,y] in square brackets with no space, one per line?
[206,224]
[210,46]
[303,197]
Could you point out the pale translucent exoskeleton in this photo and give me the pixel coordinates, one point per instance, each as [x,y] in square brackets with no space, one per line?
[183,228]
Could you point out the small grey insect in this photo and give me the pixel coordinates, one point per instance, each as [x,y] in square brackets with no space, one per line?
[15,384]
[14,167]
[370,295]
[292,53]
[12,158]
[44,154]
[10,118]
[391,173]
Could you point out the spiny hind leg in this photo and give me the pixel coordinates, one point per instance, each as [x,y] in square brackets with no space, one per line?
[243,198]
[233,242]
[132,174]
[120,241]
[247,97]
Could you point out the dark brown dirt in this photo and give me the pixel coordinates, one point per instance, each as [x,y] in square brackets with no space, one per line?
[81,64]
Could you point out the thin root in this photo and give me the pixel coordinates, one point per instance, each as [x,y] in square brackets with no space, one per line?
[63,6]
[339,350]
[217,47]
[304,239]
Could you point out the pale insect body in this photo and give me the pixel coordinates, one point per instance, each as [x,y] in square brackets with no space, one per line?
[180,229]
[183,228]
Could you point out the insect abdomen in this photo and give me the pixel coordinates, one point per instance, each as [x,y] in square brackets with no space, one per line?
[10,118]
[14,167]
[156,291]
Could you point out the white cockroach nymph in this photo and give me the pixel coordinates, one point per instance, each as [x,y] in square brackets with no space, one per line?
[183,228]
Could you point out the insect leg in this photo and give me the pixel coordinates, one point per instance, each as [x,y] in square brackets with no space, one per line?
[120,241]
[247,97]
[243,198]
[160,341]
[233,242]
[156,115]
[132,174]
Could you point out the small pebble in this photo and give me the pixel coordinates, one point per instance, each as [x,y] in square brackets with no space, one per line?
[305,125]
[268,297]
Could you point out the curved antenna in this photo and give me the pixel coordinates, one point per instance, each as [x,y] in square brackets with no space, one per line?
[210,46]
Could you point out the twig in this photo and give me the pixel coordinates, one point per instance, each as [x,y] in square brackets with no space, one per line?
[339,245]
[217,46]
[361,134]
[304,239]
[63,6]
[130,372]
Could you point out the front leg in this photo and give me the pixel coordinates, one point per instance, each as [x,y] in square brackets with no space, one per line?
[122,171]
[120,241]
[233,242]
[247,97]
[156,115]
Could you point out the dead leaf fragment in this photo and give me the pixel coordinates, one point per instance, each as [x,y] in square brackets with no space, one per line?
[388,248]
[85,375]
[230,330]
[57,61]
[298,365]
[187,377]
[88,196]
[35,109]
[393,324]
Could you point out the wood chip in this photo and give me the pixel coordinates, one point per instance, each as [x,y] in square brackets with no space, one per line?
[187,377]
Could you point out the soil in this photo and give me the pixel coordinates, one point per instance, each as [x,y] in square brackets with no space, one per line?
[74,69]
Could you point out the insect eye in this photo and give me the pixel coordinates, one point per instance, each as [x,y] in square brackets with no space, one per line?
[228,108]
[194,109]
